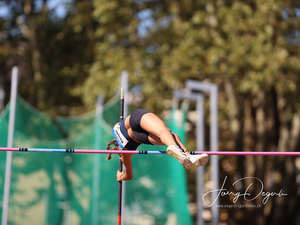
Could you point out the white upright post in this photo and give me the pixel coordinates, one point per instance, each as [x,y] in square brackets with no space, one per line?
[199,98]
[2,97]
[10,139]
[212,89]
[124,84]
[200,147]
[97,161]
[214,147]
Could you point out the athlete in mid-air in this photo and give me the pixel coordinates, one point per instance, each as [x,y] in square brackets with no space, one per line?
[144,127]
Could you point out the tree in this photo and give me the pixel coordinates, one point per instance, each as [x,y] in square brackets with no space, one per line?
[249,48]
[53,53]
[244,47]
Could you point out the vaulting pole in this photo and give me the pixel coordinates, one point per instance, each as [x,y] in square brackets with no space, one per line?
[120,163]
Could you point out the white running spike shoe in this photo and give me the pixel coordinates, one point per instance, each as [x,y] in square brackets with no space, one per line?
[198,160]
[179,154]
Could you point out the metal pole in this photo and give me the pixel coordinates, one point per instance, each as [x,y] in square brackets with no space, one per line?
[214,147]
[2,97]
[11,127]
[97,162]
[213,91]
[200,141]
[124,84]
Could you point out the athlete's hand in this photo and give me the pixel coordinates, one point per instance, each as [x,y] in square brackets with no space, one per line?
[122,176]
[119,175]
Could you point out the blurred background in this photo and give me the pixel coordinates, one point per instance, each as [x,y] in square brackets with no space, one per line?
[70,51]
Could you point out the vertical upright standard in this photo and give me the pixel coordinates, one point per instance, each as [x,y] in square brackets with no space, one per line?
[10,139]
[97,161]
[212,89]
[120,162]
[199,98]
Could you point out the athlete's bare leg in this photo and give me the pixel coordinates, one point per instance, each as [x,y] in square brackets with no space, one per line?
[159,133]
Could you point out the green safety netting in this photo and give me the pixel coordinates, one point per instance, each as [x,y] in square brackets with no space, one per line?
[64,188]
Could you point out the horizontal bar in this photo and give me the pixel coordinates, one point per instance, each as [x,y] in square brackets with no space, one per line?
[144,152]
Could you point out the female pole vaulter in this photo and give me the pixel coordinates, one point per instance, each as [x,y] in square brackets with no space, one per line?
[144,127]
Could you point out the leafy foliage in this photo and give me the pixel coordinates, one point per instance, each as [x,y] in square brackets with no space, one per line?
[53,54]
[250,49]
